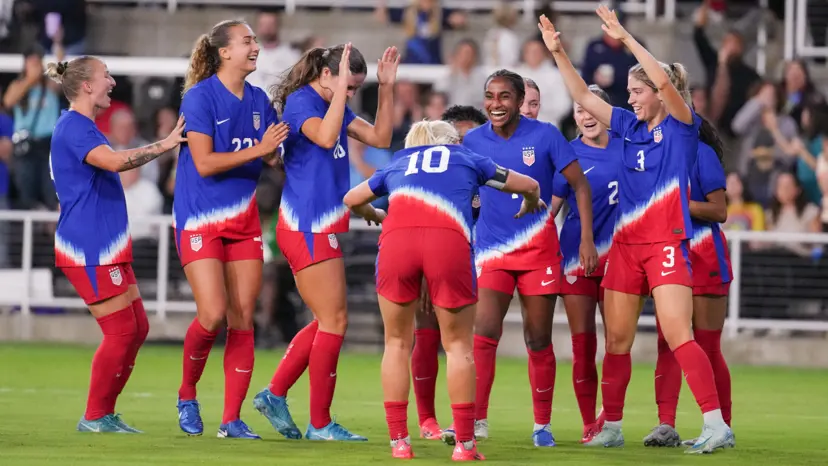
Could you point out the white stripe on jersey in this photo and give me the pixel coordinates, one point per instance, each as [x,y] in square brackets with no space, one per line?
[700,235]
[288,216]
[435,201]
[631,217]
[518,241]
[328,219]
[218,216]
[574,264]
[115,248]
[71,251]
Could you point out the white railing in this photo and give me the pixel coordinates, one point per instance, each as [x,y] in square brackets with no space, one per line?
[20,292]
[797,29]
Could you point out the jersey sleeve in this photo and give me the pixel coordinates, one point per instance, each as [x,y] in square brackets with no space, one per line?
[299,108]
[621,120]
[485,167]
[709,170]
[198,113]
[692,129]
[6,126]
[560,149]
[377,183]
[560,187]
[84,140]
[349,117]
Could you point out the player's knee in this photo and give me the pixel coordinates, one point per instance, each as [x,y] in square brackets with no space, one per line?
[618,342]
[488,328]
[537,341]
[333,320]
[398,344]
[211,321]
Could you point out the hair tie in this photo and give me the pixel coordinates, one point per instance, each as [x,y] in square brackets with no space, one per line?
[61,67]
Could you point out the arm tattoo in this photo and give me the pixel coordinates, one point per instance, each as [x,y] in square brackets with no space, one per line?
[142,156]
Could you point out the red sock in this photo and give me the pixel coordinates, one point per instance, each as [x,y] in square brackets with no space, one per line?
[324,357]
[424,367]
[197,345]
[119,332]
[667,382]
[616,375]
[699,374]
[463,415]
[485,355]
[141,331]
[710,341]
[396,415]
[238,369]
[542,368]
[585,374]
[295,360]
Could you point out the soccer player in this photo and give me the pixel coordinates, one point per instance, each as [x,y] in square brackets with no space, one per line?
[711,282]
[600,153]
[523,252]
[93,247]
[231,129]
[424,362]
[649,251]
[531,103]
[313,98]
[427,234]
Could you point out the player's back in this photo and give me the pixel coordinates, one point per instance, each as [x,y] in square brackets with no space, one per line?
[708,246]
[93,228]
[653,180]
[432,186]
[225,202]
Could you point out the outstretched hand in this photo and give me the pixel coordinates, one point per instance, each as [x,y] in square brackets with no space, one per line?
[551,37]
[387,66]
[175,137]
[611,25]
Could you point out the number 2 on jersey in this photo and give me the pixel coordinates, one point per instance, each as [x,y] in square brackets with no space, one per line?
[239,142]
[613,197]
[639,161]
[426,164]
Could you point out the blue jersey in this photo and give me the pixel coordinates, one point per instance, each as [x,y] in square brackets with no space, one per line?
[601,167]
[708,247]
[316,178]
[224,203]
[653,181]
[432,186]
[93,228]
[536,149]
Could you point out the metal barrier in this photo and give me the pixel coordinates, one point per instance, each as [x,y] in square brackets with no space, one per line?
[802,18]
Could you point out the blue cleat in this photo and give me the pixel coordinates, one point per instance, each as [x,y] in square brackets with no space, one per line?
[275,409]
[237,429]
[189,417]
[543,437]
[333,432]
[108,424]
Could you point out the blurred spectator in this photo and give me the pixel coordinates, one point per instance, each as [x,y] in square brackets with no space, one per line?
[142,199]
[501,41]
[763,168]
[763,114]
[104,116]
[407,110]
[123,135]
[6,148]
[70,18]
[465,80]
[423,23]
[275,56]
[799,90]
[606,63]
[808,150]
[742,213]
[700,100]
[164,121]
[308,43]
[35,102]
[555,102]
[790,212]
[729,78]
[435,105]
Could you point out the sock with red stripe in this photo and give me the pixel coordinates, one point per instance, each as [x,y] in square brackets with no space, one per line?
[699,374]
[119,331]
[239,356]
[295,360]
[463,415]
[542,369]
[485,355]
[667,382]
[710,342]
[197,345]
[324,357]
[424,368]
[616,374]
[396,415]
[585,374]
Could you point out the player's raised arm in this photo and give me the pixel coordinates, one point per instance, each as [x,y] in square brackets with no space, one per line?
[576,85]
[672,98]
[379,134]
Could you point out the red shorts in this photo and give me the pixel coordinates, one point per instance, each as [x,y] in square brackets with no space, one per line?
[639,268]
[538,282]
[97,283]
[444,257]
[302,249]
[583,286]
[722,289]
[193,246]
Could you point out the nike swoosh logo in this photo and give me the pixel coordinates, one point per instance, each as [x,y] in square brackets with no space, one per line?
[543,391]
[664,274]
[580,380]
[244,372]
[333,374]
[197,359]
[421,378]
[258,239]
[545,283]
[589,169]
[222,121]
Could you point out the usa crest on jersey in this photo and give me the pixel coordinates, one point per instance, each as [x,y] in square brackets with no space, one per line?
[257,120]
[529,156]
[195,243]
[115,276]
[657,137]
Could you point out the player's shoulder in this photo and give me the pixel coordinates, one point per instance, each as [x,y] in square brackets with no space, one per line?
[304,94]
[477,134]
[200,90]
[257,93]
[73,123]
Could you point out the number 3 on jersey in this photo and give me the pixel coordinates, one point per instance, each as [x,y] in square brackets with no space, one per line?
[639,161]
[237,142]
[426,164]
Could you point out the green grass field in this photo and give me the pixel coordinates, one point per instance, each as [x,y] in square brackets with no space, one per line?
[779,416]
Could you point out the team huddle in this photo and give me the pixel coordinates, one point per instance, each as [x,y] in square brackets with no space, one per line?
[472,202]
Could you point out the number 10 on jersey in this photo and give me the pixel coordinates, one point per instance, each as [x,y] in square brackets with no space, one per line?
[426,165]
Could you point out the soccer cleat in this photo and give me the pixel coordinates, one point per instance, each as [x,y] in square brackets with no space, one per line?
[189,417]
[689,442]
[275,409]
[663,435]
[430,430]
[481,429]
[449,436]
[609,436]
[543,437]
[333,432]
[590,431]
[123,425]
[401,449]
[106,424]
[466,451]
[237,429]
[713,438]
